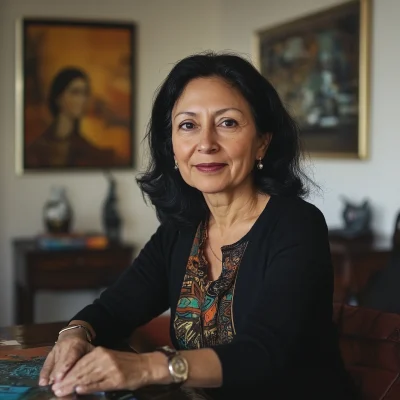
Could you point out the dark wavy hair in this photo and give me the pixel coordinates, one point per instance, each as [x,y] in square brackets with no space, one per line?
[176,201]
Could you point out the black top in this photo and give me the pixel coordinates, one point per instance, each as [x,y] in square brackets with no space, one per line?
[286,344]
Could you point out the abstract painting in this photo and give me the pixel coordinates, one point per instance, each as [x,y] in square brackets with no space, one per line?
[319,66]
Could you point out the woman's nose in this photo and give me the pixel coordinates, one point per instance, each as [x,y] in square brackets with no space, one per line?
[207,141]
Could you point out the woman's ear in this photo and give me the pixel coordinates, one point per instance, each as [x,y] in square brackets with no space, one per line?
[265,142]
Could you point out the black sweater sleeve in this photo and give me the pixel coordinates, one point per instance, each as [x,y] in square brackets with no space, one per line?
[140,293]
[297,286]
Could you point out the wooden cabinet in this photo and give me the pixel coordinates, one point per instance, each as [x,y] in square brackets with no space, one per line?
[354,263]
[67,269]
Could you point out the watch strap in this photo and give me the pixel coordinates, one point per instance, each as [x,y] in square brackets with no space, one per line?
[168,351]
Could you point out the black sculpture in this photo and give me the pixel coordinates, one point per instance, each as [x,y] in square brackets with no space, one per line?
[357,220]
[111,219]
[396,234]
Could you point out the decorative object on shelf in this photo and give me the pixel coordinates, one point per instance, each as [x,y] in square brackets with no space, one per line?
[319,65]
[357,221]
[75,91]
[396,234]
[57,211]
[111,218]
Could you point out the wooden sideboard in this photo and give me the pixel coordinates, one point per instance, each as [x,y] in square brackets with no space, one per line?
[67,269]
[39,269]
[354,264]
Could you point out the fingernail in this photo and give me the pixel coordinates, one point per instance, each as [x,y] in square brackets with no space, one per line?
[58,393]
[55,387]
[78,389]
[42,382]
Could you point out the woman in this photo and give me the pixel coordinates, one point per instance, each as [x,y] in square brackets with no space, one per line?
[242,261]
[62,144]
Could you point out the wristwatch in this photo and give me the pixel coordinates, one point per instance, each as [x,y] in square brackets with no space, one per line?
[177,364]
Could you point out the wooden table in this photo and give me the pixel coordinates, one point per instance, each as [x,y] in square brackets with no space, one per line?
[34,335]
[38,335]
[354,264]
[68,269]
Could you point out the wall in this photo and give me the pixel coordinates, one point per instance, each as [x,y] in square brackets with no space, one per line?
[168,31]
[373,178]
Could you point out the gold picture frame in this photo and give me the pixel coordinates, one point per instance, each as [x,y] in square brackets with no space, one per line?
[75,95]
[320,66]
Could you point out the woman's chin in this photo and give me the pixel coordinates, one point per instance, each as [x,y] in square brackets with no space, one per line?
[212,189]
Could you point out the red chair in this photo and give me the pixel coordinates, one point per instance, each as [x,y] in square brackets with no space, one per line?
[370,346]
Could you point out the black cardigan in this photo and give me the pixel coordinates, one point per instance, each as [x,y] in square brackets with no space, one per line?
[286,344]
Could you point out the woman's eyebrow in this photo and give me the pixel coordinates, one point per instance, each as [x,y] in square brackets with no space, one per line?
[216,113]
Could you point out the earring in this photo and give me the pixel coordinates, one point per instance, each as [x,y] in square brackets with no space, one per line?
[260,165]
[176,166]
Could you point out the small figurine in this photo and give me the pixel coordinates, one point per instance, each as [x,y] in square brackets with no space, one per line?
[357,220]
[396,234]
[111,218]
[57,212]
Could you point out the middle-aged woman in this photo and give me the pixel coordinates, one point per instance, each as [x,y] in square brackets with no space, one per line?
[240,259]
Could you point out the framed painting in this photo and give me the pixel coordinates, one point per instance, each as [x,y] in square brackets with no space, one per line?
[75,95]
[319,65]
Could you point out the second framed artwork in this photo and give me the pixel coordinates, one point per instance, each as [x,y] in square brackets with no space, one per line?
[320,67]
[76,89]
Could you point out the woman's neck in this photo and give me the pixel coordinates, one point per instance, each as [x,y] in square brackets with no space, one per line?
[63,127]
[228,210]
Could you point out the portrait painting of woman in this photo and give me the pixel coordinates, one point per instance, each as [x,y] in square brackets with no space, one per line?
[77,101]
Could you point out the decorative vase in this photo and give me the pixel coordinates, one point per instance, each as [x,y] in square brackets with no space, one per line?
[111,219]
[57,211]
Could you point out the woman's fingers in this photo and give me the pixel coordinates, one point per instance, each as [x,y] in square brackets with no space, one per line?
[99,386]
[88,370]
[65,360]
[44,377]
[72,352]
[62,358]
[101,370]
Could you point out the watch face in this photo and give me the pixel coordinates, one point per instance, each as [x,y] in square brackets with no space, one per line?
[179,367]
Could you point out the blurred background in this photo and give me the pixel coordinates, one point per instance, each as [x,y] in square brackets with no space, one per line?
[166,31]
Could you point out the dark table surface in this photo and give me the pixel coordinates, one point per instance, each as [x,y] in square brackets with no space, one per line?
[35,335]
[40,335]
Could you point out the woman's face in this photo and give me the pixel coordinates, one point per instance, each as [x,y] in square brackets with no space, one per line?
[214,136]
[74,99]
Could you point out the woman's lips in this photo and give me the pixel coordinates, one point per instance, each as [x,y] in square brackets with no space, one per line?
[210,167]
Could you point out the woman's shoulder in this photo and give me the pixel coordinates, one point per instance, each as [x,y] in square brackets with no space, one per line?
[298,206]
[297,214]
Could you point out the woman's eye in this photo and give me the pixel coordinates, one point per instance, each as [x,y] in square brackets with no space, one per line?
[187,126]
[229,123]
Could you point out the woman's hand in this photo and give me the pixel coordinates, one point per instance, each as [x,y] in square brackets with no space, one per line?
[104,369]
[68,350]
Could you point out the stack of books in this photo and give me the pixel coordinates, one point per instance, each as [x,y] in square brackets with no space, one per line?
[72,241]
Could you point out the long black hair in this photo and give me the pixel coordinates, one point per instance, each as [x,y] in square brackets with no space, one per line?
[175,200]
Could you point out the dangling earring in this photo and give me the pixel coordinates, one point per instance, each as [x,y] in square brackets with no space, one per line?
[260,165]
[176,167]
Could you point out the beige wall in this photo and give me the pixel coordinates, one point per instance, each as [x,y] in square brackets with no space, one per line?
[169,30]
